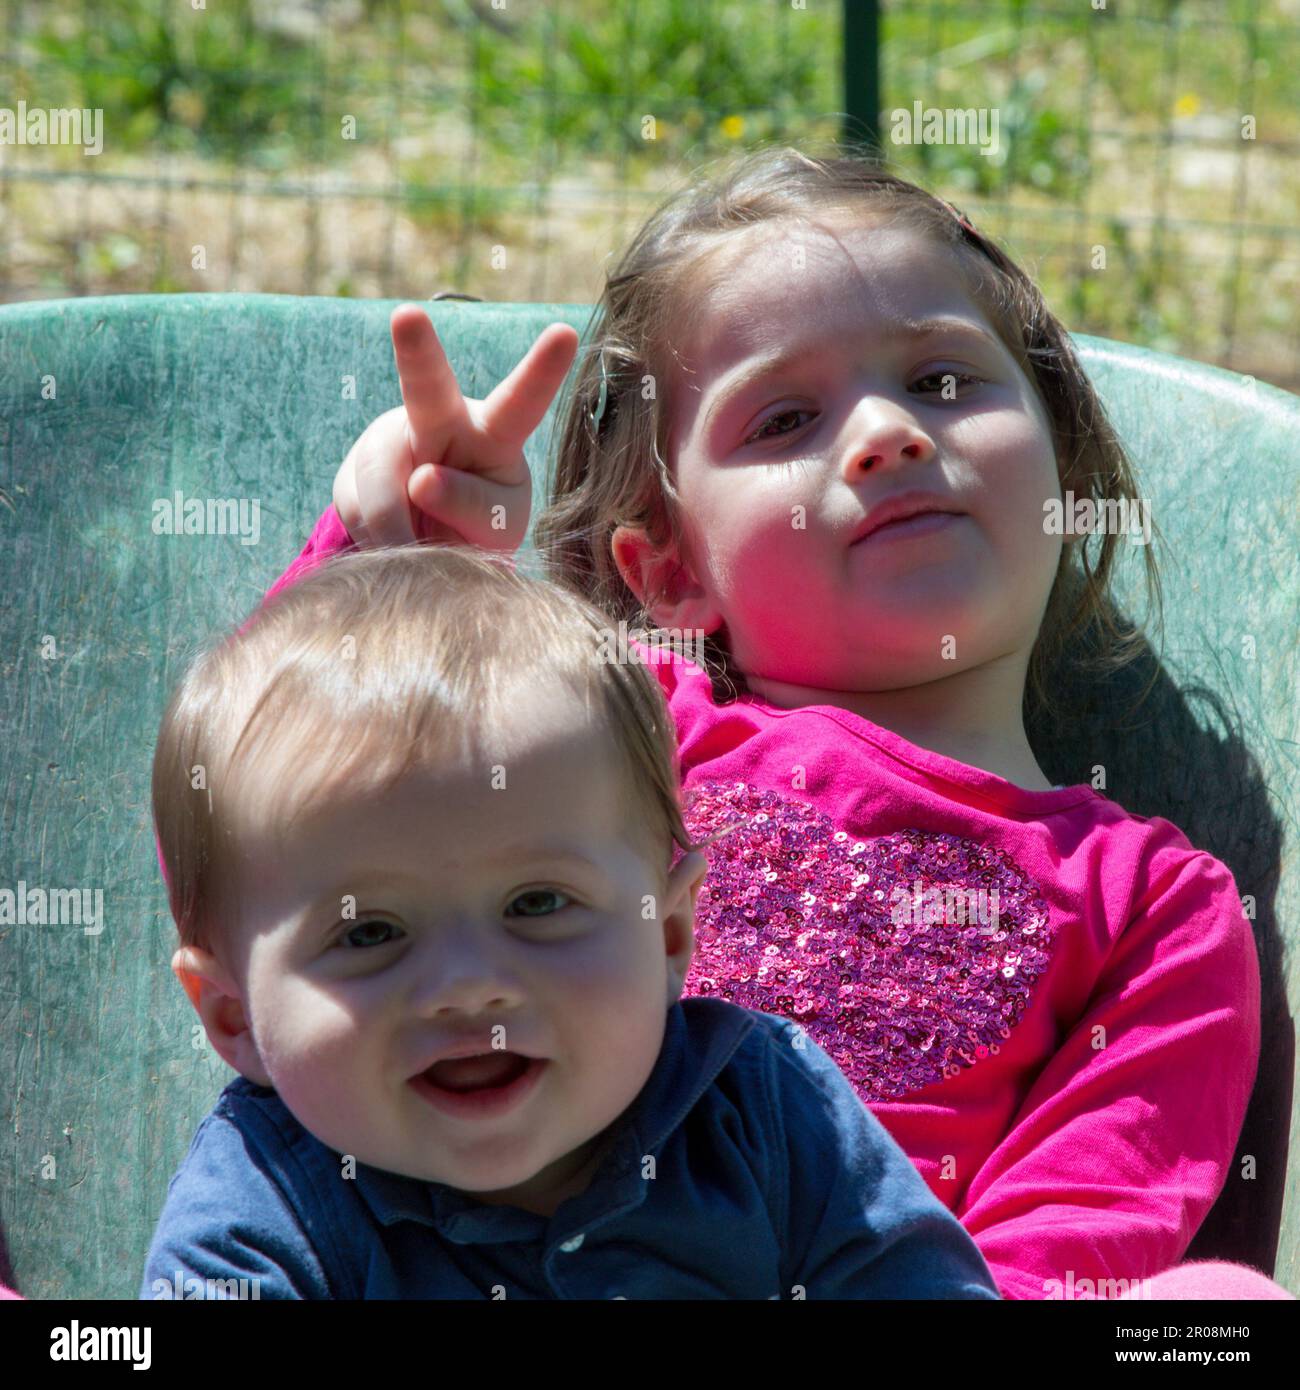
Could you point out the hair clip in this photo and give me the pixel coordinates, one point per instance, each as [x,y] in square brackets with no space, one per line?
[597,414]
[962,220]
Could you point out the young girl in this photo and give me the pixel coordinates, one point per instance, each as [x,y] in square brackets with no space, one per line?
[429,910]
[823,423]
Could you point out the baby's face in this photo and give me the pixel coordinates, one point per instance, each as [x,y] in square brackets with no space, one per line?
[451,913]
[772,478]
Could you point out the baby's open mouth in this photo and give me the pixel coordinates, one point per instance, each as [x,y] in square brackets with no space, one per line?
[480,1072]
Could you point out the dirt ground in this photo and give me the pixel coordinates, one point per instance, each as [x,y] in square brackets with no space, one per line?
[133,226]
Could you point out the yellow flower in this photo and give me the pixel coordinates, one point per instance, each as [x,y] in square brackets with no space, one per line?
[733,127]
[188,106]
[1187,105]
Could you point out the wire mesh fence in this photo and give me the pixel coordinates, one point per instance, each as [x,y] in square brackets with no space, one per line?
[1141,158]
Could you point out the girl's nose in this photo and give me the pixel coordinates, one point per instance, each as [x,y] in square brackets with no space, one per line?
[882,438]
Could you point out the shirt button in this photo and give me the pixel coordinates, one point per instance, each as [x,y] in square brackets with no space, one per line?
[569,1246]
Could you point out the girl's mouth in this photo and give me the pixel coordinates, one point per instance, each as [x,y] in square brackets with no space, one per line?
[918,524]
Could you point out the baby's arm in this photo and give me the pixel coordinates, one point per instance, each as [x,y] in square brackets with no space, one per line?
[1124,1141]
[228,1224]
[855,1218]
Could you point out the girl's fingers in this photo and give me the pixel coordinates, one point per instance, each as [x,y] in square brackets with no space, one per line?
[468,503]
[515,409]
[434,405]
[383,466]
[345,499]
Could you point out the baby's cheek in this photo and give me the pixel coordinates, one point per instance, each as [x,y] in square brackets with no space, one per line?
[615,1041]
[611,982]
[300,1029]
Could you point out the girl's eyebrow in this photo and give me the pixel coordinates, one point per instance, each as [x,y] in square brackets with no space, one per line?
[755,368]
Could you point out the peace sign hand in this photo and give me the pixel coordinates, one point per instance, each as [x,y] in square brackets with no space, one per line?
[439,466]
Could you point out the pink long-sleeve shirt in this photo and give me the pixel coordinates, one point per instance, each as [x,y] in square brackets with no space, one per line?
[1050,1003]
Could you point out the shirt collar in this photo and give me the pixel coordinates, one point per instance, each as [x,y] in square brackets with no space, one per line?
[701,1036]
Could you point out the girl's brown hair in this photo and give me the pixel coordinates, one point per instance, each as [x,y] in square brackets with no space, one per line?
[617,408]
[374,665]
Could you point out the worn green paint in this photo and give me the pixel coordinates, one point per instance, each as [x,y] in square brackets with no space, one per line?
[241,396]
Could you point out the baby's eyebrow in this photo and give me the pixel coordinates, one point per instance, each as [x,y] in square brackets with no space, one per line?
[369,883]
[774,360]
[529,854]
[322,914]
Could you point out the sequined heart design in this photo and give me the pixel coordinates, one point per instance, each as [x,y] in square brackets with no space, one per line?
[907,957]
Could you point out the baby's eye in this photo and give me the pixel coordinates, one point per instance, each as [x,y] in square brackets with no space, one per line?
[542,896]
[371,932]
[941,379]
[758,433]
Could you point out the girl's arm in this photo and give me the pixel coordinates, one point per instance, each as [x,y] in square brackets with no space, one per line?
[1127,1136]
[328,537]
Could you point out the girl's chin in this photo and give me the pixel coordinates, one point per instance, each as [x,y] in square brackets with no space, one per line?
[903,612]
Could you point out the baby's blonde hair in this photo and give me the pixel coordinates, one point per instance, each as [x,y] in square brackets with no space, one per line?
[374,665]
[613,439]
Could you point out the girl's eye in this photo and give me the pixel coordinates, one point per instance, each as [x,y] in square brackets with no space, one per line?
[540,896]
[958,379]
[758,433]
[371,932]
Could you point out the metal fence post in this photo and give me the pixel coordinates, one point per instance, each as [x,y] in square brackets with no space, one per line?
[861,46]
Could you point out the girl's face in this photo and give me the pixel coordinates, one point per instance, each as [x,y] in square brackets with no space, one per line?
[779,462]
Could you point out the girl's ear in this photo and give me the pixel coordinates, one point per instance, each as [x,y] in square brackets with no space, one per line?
[664,583]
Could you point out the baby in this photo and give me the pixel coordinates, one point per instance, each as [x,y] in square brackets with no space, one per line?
[442,1093]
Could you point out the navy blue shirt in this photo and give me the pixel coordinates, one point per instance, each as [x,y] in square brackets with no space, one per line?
[747,1167]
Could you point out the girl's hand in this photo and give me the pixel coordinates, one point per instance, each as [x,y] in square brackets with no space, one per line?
[439,466]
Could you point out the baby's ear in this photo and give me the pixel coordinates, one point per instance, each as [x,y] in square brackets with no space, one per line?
[217,1000]
[194,966]
[683,884]
[683,888]
[693,867]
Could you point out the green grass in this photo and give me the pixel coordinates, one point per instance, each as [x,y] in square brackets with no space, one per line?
[1094,108]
